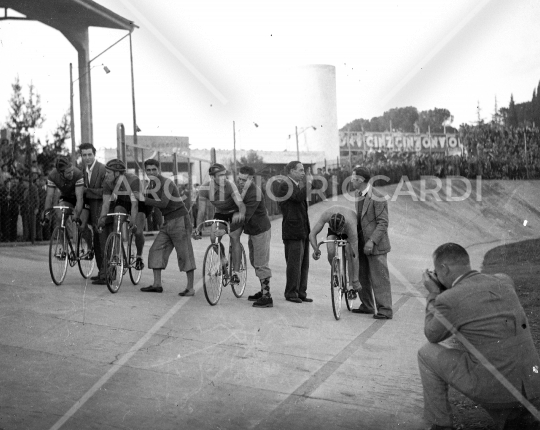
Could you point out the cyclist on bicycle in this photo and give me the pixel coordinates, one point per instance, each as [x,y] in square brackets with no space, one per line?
[69,180]
[342,225]
[224,195]
[257,226]
[120,190]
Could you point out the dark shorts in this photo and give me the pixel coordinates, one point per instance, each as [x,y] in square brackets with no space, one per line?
[228,218]
[339,236]
[127,206]
[72,201]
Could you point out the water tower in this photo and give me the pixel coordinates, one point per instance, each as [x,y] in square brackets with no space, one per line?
[317,106]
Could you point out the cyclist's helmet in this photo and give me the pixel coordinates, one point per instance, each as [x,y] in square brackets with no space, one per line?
[337,223]
[62,163]
[215,168]
[116,165]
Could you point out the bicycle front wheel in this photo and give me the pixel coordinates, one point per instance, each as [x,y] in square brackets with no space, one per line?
[114,261]
[238,289]
[335,287]
[212,274]
[134,274]
[58,255]
[85,252]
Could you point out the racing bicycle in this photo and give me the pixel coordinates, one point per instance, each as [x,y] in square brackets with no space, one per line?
[339,277]
[216,273]
[117,260]
[62,251]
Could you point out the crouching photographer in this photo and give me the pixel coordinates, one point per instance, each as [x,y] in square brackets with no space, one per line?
[498,366]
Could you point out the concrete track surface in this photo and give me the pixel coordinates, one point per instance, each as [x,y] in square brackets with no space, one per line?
[78,357]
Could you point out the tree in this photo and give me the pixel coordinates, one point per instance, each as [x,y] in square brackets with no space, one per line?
[51,150]
[252,159]
[24,118]
[512,119]
[402,119]
[434,120]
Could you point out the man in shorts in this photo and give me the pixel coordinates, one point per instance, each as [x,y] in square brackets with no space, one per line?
[70,182]
[342,225]
[175,232]
[224,195]
[120,191]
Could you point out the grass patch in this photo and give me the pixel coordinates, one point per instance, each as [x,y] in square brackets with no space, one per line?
[520,261]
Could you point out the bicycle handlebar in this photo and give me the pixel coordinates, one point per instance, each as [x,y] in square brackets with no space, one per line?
[214,221]
[338,242]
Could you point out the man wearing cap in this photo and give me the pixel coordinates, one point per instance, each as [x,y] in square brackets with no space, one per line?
[257,226]
[373,245]
[120,192]
[224,196]
[175,232]
[69,181]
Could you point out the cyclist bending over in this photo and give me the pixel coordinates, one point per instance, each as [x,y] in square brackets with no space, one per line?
[224,195]
[69,180]
[120,190]
[342,225]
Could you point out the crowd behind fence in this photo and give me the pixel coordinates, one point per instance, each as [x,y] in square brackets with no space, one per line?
[489,151]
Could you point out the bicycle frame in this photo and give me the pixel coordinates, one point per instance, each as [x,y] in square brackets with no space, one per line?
[72,256]
[340,244]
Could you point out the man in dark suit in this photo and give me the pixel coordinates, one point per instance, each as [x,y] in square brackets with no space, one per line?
[94,174]
[293,193]
[497,353]
[373,245]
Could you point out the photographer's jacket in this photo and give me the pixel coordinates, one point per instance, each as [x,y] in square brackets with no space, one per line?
[486,310]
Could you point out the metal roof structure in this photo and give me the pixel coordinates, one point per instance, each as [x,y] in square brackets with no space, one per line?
[67,14]
[73,18]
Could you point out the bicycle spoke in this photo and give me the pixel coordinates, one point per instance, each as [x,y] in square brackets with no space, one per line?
[212,275]
[58,257]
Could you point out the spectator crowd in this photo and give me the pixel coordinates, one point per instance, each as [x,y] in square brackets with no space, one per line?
[489,150]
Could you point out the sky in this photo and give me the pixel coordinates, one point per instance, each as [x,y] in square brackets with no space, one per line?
[199,66]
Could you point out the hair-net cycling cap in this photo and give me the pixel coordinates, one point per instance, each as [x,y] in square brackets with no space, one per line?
[337,223]
[116,165]
[62,163]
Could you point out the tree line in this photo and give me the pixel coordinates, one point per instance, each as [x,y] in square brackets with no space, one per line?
[24,118]
[406,120]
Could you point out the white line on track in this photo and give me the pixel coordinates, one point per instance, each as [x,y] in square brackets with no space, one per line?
[120,363]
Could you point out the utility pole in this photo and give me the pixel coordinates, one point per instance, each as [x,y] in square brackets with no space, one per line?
[297,150]
[234,149]
[72,120]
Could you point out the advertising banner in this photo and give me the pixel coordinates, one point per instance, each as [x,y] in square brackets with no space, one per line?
[404,142]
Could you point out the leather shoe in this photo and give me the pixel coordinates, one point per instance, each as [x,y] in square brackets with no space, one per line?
[306,299]
[99,281]
[94,278]
[187,293]
[293,299]
[362,310]
[152,289]
[382,317]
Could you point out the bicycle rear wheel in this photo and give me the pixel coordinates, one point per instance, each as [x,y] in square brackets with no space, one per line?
[58,255]
[238,289]
[85,252]
[114,261]
[212,274]
[134,274]
[335,287]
